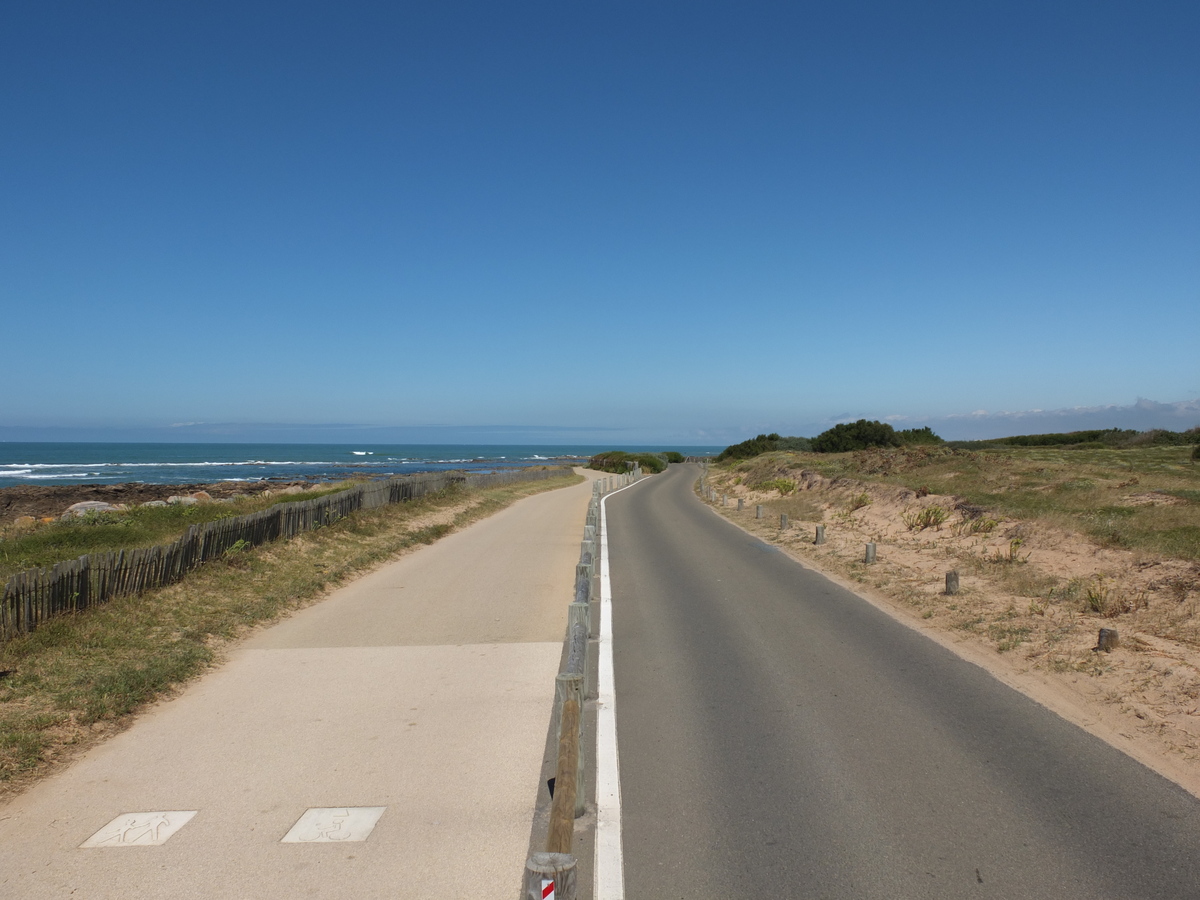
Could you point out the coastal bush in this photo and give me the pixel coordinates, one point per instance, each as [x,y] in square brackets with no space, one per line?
[620,461]
[910,436]
[1112,438]
[860,435]
[673,456]
[764,443]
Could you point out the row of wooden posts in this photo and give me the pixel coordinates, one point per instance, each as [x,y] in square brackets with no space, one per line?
[869,553]
[35,595]
[1107,641]
[555,869]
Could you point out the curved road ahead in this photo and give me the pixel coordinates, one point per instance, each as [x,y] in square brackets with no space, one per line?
[780,737]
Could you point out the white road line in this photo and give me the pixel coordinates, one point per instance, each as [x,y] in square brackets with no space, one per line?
[610,857]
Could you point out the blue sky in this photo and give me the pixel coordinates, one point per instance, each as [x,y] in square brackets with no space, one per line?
[663,221]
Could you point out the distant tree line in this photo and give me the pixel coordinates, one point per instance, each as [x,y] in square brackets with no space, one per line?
[623,461]
[840,438]
[1115,438]
[865,433]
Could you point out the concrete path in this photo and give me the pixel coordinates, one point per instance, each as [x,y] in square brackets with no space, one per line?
[410,708]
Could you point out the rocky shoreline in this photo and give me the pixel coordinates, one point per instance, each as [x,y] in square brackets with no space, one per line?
[51,501]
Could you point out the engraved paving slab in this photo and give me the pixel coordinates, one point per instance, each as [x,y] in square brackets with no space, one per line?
[140,829]
[334,824]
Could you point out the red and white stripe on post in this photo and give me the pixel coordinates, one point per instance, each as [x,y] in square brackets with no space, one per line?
[547,890]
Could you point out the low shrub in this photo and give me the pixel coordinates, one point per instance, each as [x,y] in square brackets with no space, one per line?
[783,485]
[860,435]
[764,443]
[620,461]
[929,517]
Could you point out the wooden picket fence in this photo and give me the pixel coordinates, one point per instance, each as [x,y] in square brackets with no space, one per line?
[33,596]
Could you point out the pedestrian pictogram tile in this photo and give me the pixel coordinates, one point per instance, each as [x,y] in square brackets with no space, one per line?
[140,829]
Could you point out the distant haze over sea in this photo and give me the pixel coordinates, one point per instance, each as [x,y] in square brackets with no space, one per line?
[193,463]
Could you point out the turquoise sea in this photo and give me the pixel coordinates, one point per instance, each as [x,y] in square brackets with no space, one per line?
[170,463]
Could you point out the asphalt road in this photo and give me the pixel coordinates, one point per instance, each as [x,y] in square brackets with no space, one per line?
[780,737]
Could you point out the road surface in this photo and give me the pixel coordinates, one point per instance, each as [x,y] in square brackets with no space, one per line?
[780,737]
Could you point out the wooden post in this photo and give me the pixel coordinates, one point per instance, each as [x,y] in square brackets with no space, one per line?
[951,583]
[758,514]
[741,504]
[820,538]
[1108,641]
[870,557]
[579,616]
[783,522]
[567,686]
[566,786]
[724,499]
[558,868]
[569,795]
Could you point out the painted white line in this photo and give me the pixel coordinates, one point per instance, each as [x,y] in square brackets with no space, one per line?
[610,856]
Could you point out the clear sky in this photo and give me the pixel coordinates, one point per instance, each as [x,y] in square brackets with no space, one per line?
[671,220]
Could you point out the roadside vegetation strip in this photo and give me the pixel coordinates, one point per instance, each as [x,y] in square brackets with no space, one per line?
[45,543]
[1144,499]
[81,675]
[32,597]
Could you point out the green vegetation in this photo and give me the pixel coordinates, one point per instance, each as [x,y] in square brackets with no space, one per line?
[839,439]
[859,435]
[620,461]
[764,443]
[912,436]
[785,486]
[1143,498]
[865,434]
[1115,438]
[673,456]
[64,682]
[929,517]
[140,526]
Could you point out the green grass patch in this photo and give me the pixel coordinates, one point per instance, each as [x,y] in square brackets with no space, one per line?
[140,526]
[1098,491]
[101,665]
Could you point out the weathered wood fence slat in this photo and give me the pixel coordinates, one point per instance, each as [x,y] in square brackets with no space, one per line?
[33,596]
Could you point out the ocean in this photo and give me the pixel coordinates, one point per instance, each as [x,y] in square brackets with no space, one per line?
[162,463]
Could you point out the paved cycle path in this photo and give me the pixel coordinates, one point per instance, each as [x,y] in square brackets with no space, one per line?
[386,742]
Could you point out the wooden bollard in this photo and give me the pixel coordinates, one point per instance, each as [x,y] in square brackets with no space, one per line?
[758,511]
[741,504]
[544,869]
[870,557]
[567,686]
[1108,641]
[820,538]
[567,788]
[580,614]
[951,583]
[783,522]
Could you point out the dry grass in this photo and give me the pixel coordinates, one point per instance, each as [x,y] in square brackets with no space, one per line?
[80,676]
